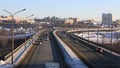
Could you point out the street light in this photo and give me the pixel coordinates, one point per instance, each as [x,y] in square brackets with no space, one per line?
[82,29]
[102,36]
[12,17]
[111,37]
[97,32]
[26,27]
[88,32]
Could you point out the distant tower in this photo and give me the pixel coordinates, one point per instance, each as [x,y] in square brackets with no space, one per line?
[107,19]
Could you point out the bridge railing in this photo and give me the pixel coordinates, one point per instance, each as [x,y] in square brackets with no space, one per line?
[21,50]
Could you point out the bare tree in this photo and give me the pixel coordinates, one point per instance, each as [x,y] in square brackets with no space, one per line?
[3,37]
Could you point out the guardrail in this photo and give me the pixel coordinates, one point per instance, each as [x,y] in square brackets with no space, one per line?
[95,45]
[8,55]
[21,51]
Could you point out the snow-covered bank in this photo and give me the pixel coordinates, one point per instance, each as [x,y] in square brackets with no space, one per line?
[102,37]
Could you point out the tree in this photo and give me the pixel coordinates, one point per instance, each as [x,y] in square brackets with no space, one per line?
[3,37]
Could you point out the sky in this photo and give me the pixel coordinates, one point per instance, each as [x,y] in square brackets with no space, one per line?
[83,9]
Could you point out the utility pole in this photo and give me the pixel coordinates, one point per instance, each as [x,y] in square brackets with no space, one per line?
[102,36]
[82,30]
[26,28]
[111,37]
[13,22]
[97,33]
[88,31]
[53,23]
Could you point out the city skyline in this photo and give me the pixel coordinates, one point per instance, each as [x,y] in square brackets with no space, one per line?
[84,9]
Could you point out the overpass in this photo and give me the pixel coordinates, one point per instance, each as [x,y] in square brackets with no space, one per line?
[65,51]
[20,52]
[92,29]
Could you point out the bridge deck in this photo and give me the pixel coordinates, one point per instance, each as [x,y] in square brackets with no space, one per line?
[43,54]
[38,56]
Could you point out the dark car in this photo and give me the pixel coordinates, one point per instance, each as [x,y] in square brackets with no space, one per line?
[98,49]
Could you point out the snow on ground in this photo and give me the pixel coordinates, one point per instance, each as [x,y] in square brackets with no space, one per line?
[4,65]
[104,37]
[18,55]
[2,62]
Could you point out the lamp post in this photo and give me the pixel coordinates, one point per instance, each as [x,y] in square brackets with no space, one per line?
[12,18]
[26,27]
[102,36]
[82,30]
[117,36]
[88,32]
[111,37]
[97,33]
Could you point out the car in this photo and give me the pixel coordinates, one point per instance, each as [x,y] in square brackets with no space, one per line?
[40,43]
[99,49]
[47,39]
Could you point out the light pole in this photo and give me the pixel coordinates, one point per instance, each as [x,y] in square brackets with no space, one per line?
[26,27]
[88,32]
[111,37]
[12,17]
[97,33]
[117,36]
[82,30]
[102,35]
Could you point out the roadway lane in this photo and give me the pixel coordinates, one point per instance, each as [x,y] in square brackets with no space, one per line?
[88,54]
[39,55]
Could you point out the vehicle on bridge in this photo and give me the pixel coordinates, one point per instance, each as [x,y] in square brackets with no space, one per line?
[99,49]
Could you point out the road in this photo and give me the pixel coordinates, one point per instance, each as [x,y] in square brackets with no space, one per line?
[40,54]
[89,55]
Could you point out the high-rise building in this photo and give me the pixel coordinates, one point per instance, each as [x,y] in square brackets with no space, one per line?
[106,19]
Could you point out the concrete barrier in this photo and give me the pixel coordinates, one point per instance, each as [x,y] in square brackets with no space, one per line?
[70,57]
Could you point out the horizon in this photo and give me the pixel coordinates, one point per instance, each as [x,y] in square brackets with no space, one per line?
[83,9]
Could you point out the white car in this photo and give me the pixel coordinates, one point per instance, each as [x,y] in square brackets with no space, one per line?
[40,43]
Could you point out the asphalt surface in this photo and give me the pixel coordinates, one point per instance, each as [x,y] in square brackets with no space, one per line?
[48,51]
[39,55]
[90,56]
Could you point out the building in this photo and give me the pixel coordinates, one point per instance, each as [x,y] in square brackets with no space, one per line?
[107,19]
[3,18]
[118,21]
[72,20]
[76,20]
[69,21]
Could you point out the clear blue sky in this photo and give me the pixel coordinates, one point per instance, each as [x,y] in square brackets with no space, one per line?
[84,9]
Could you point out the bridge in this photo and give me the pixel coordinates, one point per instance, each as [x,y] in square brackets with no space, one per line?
[60,49]
[93,29]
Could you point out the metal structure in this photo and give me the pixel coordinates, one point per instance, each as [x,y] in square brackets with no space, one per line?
[111,37]
[97,33]
[26,27]
[82,30]
[88,32]
[12,18]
